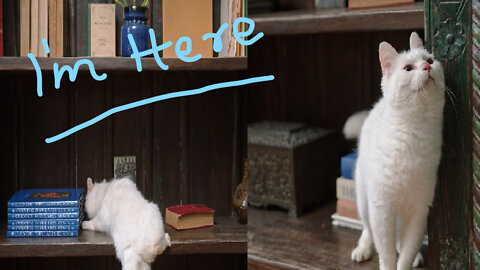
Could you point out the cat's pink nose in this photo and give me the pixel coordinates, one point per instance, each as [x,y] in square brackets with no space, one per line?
[426,67]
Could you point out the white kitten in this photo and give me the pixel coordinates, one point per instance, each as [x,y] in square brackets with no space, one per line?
[399,153]
[136,226]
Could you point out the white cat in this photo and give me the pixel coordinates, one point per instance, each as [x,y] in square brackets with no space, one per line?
[136,225]
[399,153]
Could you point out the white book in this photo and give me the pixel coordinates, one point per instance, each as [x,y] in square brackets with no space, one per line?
[346,189]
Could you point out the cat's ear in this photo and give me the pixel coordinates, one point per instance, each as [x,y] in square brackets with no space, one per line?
[415,41]
[90,184]
[387,55]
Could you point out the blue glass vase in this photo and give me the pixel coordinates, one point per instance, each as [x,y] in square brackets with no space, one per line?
[135,23]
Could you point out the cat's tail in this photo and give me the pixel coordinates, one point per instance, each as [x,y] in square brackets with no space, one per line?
[353,125]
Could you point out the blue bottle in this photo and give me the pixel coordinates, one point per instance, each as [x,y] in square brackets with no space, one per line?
[135,23]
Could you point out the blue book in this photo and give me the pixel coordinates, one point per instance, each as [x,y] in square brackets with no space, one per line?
[45,210]
[59,197]
[43,222]
[43,227]
[347,165]
[42,233]
[42,215]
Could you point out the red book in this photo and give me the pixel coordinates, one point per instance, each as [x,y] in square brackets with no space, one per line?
[347,209]
[189,216]
[1,28]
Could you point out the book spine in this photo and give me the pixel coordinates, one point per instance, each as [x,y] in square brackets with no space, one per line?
[42,215]
[347,209]
[43,227]
[346,189]
[44,204]
[42,233]
[52,27]
[44,210]
[24,27]
[9,28]
[81,25]
[59,41]
[71,27]
[34,27]
[43,222]
[42,26]
[157,23]
[89,30]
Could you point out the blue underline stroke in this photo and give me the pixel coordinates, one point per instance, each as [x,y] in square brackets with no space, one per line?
[158,98]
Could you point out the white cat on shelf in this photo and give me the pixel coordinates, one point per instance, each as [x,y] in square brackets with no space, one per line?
[136,225]
[399,153]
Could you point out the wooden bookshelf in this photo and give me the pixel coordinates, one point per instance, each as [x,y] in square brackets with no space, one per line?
[341,20]
[227,236]
[126,63]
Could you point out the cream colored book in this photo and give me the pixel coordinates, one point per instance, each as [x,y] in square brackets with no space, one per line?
[34,40]
[101,30]
[42,26]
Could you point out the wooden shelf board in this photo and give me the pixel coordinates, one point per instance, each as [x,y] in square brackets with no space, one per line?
[277,241]
[341,19]
[125,63]
[227,236]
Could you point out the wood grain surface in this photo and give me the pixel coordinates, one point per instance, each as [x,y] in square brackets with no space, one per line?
[276,241]
[340,20]
[124,63]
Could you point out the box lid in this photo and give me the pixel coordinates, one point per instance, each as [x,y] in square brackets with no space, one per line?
[283,134]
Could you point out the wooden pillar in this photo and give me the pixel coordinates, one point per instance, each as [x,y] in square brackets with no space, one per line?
[448,32]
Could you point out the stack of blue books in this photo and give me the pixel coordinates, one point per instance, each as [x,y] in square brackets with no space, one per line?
[45,212]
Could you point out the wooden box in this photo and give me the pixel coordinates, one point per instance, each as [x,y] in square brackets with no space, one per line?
[291,165]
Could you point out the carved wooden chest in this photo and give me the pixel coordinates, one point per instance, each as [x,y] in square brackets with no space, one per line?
[291,165]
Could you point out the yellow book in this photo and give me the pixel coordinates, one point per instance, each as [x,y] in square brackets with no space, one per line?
[191,18]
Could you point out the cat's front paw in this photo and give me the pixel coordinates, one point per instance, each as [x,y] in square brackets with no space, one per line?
[88,225]
[361,254]
[418,261]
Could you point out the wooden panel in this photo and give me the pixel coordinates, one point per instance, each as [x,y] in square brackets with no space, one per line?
[340,19]
[132,128]
[93,145]
[211,134]
[125,63]
[451,214]
[319,79]
[167,148]
[9,142]
[41,164]
[227,236]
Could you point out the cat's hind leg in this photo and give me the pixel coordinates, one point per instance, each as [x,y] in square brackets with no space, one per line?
[132,261]
[383,224]
[412,236]
[364,249]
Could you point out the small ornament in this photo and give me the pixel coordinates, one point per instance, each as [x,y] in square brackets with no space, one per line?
[240,198]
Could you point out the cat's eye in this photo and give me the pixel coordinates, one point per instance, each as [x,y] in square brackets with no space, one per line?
[430,61]
[408,67]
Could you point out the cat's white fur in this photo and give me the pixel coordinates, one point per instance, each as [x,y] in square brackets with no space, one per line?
[399,153]
[136,226]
